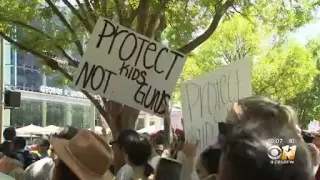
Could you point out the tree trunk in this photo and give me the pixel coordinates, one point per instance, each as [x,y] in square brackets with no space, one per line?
[120,118]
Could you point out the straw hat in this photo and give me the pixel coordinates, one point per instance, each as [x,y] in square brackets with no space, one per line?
[86,154]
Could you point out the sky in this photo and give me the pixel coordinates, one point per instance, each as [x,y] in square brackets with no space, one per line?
[308,31]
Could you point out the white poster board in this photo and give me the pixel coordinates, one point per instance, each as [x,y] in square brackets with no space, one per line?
[129,68]
[206,100]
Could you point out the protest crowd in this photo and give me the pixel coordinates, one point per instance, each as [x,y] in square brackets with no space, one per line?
[242,152]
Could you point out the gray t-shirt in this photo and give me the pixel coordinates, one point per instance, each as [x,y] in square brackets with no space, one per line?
[40,170]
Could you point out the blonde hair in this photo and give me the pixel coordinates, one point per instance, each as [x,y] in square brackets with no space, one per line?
[264,109]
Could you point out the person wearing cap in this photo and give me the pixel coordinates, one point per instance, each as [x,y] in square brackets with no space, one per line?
[86,156]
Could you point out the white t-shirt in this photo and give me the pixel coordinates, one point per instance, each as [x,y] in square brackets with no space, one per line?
[188,171]
[5,177]
[126,172]
[40,170]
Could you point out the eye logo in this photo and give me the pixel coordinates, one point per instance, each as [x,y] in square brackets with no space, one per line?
[274,152]
[285,153]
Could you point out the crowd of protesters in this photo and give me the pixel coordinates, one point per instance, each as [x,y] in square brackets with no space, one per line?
[241,153]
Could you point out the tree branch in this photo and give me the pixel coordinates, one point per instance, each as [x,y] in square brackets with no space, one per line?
[47,60]
[142,15]
[90,11]
[273,80]
[213,26]
[85,23]
[162,25]
[152,24]
[118,10]
[96,4]
[132,15]
[69,27]
[23,25]
[104,6]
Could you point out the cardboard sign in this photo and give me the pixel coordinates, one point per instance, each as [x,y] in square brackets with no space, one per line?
[129,68]
[206,100]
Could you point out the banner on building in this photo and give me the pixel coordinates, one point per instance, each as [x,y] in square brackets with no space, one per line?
[206,99]
[129,68]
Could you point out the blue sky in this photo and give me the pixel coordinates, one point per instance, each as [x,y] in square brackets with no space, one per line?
[308,31]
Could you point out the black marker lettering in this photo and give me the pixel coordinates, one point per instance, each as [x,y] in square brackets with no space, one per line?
[103,35]
[222,84]
[140,50]
[84,70]
[133,73]
[124,67]
[151,47]
[157,59]
[96,87]
[134,38]
[114,33]
[165,98]
[143,93]
[154,98]
[96,81]
[139,92]
[108,80]
[136,74]
[190,105]
[143,75]
[130,72]
[177,55]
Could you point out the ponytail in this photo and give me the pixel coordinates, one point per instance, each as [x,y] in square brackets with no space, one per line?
[148,170]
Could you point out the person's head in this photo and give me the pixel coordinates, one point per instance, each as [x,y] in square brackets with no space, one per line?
[138,151]
[158,143]
[251,150]
[18,143]
[9,133]
[43,146]
[122,138]
[208,163]
[257,108]
[61,169]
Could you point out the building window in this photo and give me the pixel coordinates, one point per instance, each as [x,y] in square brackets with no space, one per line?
[56,113]
[98,118]
[152,123]
[140,124]
[28,113]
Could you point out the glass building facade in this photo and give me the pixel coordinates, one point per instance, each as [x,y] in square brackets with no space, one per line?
[41,102]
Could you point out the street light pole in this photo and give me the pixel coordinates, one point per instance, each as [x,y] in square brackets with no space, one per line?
[2,85]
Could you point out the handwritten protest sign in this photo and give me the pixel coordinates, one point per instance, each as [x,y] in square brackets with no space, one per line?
[206,99]
[129,68]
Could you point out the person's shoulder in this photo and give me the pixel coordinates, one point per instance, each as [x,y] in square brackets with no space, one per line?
[124,172]
[5,177]
[38,166]
[154,161]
